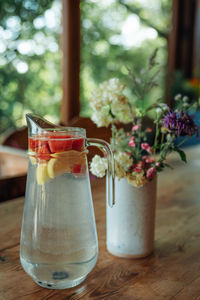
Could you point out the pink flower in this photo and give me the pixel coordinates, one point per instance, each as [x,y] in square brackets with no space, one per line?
[145,146]
[158,164]
[135,127]
[131,142]
[144,157]
[128,134]
[149,130]
[139,166]
[137,170]
[151,173]
[149,160]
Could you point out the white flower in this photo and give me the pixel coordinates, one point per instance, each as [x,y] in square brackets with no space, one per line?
[97,100]
[102,116]
[164,106]
[124,160]
[98,166]
[109,98]
[114,86]
[105,93]
[177,97]
[185,99]
[158,110]
[121,109]
[186,104]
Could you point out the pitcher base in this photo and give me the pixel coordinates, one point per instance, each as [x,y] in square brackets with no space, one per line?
[60,285]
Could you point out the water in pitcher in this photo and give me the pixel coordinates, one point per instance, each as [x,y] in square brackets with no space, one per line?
[59,245]
[58,241]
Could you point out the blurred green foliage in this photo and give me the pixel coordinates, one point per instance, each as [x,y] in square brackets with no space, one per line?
[29,62]
[105,55]
[30,56]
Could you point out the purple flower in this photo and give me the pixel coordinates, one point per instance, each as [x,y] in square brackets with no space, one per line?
[181,123]
[170,120]
[186,125]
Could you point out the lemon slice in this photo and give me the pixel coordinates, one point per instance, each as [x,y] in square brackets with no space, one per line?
[63,162]
[33,160]
[42,174]
[57,166]
[61,154]
[69,155]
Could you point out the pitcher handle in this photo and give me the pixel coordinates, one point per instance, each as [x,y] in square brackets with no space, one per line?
[110,178]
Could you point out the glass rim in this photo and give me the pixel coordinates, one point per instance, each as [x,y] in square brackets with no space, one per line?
[77,131]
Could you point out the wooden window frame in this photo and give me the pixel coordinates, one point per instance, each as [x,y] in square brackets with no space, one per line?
[182,52]
[181,39]
[196,61]
[70,106]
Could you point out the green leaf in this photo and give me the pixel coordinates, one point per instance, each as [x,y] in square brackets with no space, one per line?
[181,153]
[168,166]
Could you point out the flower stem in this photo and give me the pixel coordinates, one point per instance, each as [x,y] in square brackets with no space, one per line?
[156,135]
[184,140]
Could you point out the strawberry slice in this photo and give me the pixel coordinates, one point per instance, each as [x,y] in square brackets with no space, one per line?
[76,169]
[79,170]
[78,144]
[33,143]
[60,143]
[43,150]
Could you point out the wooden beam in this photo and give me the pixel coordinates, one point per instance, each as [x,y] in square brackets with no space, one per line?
[173,36]
[181,39]
[70,107]
[181,42]
[196,60]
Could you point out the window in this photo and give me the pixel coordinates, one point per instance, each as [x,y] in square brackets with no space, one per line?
[121,34]
[30,60]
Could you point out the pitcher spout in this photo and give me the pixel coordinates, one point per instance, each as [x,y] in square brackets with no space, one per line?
[36,124]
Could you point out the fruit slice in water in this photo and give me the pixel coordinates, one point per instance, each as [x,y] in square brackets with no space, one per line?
[32,144]
[60,143]
[42,147]
[42,173]
[72,157]
[33,160]
[65,162]
[55,143]
[57,166]
[76,169]
[78,144]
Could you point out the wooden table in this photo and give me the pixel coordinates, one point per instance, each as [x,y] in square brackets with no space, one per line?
[172,272]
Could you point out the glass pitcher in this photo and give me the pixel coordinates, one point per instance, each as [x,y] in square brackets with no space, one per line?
[59,244]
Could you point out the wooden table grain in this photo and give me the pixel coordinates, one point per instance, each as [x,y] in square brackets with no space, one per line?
[171,272]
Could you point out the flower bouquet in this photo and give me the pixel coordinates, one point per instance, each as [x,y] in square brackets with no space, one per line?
[138,156]
[139,153]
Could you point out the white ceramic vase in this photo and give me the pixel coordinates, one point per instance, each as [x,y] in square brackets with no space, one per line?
[130,222]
